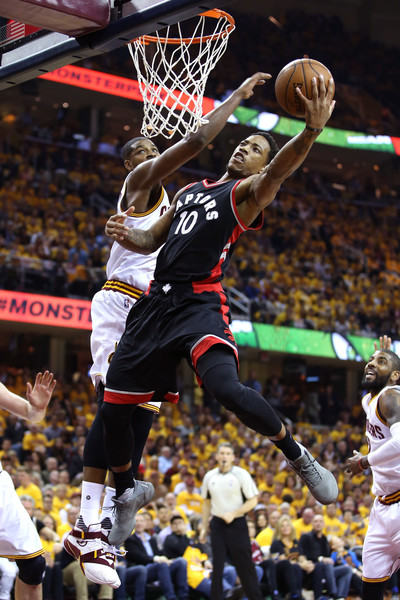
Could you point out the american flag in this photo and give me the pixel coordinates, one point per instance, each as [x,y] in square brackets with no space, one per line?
[14,30]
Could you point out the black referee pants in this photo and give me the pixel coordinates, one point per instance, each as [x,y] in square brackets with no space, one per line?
[232,540]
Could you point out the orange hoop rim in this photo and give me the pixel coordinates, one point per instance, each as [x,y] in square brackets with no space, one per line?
[214,13]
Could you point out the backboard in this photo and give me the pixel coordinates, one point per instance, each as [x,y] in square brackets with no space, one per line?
[43,51]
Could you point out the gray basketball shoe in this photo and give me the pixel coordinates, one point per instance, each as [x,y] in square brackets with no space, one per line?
[126,507]
[321,482]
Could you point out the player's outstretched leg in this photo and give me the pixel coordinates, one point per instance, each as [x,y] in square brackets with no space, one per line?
[218,371]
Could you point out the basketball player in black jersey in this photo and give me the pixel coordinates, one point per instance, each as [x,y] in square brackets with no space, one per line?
[185,312]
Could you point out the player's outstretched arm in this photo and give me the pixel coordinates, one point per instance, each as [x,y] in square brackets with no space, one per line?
[38,397]
[142,241]
[174,157]
[264,187]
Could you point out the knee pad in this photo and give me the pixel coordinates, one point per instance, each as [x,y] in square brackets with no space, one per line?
[31,569]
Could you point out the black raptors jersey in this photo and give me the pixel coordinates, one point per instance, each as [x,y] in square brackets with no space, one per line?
[203,234]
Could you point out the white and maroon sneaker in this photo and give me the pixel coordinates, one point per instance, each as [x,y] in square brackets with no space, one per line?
[95,555]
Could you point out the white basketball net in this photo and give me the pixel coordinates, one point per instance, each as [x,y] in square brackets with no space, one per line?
[173,72]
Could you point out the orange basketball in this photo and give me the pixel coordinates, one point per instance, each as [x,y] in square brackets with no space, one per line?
[298,73]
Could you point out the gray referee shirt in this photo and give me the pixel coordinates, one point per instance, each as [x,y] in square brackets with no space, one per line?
[227,491]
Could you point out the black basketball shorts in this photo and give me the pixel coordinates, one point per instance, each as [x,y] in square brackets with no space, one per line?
[168,323]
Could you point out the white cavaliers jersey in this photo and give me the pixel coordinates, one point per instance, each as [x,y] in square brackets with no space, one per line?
[386,477]
[126,266]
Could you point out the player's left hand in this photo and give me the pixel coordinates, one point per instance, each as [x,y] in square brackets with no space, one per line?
[352,466]
[115,226]
[39,395]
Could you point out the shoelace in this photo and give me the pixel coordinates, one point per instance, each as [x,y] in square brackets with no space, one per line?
[109,548]
[310,467]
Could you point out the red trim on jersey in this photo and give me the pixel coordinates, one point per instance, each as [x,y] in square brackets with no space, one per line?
[205,344]
[216,287]
[217,270]
[115,397]
[172,397]
[259,219]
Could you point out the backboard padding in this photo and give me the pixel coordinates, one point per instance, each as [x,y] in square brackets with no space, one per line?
[72,17]
[127,21]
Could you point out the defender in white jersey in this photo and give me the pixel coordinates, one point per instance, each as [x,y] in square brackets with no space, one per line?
[19,539]
[381,550]
[128,276]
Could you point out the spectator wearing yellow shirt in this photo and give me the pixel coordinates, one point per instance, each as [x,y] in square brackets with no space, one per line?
[334,527]
[299,496]
[265,537]
[27,487]
[48,509]
[365,506]
[304,523]
[33,438]
[52,581]
[188,499]
[290,484]
[212,446]
[277,494]
[170,503]
[5,447]
[231,425]
[268,484]
[353,533]
[287,509]
[179,477]
[200,451]
[193,463]
[61,496]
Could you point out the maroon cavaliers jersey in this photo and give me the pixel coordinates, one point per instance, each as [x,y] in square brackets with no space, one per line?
[203,234]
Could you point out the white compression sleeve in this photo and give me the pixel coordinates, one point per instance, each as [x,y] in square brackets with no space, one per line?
[389,450]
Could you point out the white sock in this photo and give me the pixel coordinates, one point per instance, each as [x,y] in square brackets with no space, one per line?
[107,511]
[90,501]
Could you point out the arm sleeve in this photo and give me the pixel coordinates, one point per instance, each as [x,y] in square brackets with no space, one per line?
[389,451]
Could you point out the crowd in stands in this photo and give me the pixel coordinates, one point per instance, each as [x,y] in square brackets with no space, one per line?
[326,258]
[45,462]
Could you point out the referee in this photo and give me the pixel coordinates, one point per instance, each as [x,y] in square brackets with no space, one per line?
[229,494]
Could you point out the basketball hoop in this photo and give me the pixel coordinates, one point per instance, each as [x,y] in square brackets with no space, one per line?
[173,70]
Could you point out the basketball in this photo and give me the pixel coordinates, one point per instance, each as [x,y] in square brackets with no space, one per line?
[298,73]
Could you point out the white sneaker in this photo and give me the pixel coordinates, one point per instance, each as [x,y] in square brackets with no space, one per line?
[321,482]
[95,555]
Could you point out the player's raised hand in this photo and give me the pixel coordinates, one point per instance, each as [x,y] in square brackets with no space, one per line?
[39,395]
[249,84]
[320,107]
[385,343]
